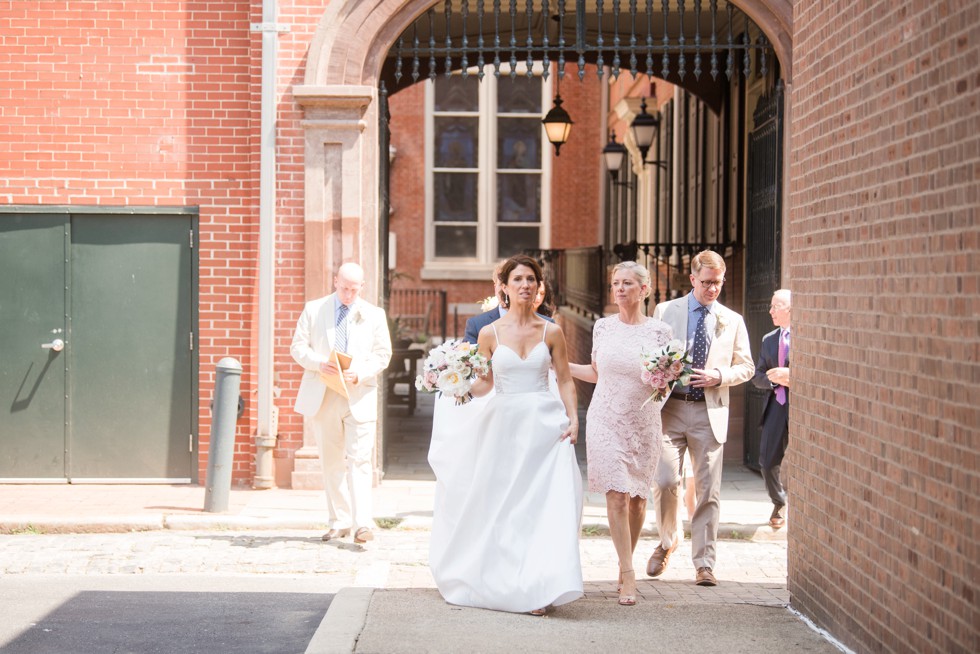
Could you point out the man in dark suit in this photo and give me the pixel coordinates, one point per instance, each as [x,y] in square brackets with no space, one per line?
[772,374]
[476,323]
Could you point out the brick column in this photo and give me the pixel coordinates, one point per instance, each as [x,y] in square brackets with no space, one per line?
[340,201]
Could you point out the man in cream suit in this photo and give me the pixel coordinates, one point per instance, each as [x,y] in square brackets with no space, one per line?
[345,428]
[695,417]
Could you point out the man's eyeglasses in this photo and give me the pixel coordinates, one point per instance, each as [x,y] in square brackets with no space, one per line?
[707,283]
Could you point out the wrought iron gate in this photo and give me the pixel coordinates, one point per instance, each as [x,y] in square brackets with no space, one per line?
[763,249]
[669,39]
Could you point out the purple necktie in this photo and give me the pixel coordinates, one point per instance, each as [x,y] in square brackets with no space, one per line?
[783,355]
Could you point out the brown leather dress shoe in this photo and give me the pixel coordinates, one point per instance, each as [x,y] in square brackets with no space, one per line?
[658,560]
[778,517]
[335,533]
[706,578]
[363,535]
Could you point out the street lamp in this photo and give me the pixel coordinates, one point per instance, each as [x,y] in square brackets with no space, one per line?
[557,123]
[615,155]
[645,128]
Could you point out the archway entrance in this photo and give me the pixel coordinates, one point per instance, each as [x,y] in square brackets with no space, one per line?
[699,48]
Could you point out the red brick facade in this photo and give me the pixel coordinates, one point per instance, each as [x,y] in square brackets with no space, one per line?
[884,250]
[134,104]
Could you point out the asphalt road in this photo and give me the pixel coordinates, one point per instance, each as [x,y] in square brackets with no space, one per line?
[149,614]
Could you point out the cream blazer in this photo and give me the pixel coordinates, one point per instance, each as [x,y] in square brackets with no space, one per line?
[729,354]
[368,343]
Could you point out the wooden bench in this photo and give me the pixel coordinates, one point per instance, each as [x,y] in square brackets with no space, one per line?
[402,370]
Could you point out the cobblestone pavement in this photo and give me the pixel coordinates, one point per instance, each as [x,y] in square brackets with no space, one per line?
[748,572]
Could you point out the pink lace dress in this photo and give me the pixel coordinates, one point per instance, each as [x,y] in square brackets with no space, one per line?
[623,441]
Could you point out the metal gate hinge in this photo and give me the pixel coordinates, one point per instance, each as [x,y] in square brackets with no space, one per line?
[270,27]
[192,239]
[191,340]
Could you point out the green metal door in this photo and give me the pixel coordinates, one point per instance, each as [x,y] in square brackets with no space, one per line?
[131,372]
[32,379]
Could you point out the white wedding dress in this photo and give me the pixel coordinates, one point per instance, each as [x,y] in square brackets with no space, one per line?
[508,503]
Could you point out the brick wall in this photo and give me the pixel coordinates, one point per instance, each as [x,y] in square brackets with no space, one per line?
[885,166]
[577,172]
[134,103]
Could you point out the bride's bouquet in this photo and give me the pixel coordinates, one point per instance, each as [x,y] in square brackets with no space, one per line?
[451,368]
[666,368]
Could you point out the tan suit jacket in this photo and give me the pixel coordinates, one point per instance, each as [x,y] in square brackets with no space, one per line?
[729,354]
[368,343]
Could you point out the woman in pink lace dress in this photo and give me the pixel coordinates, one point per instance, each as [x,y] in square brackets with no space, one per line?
[623,436]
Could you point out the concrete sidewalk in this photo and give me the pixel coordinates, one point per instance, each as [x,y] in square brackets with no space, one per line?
[399,504]
[415,621]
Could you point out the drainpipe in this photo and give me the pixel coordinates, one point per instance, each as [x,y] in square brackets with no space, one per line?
[675,156]
[268,413]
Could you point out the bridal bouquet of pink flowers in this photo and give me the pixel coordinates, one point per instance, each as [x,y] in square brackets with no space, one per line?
[666,368]
[451,368]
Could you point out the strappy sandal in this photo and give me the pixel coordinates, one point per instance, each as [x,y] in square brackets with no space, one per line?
[627,600]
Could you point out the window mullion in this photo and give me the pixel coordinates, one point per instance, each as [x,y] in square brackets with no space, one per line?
[429,235]
[488,169]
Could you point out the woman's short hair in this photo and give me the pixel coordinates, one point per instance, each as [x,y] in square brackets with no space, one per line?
[518,260]
[642,274]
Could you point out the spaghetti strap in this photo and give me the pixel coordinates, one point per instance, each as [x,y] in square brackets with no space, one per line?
[544,334]
[496,338]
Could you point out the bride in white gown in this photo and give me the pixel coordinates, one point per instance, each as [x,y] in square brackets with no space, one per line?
[508,503]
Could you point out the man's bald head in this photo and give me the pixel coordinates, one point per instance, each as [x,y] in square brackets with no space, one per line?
[348,282]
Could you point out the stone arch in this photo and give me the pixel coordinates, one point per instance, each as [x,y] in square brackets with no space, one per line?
[354,36]
[339,97]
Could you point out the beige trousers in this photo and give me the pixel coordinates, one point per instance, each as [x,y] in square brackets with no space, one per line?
[686,429]
[345,446]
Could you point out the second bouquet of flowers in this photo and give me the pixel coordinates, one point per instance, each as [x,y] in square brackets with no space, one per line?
[451,368]
[666,368]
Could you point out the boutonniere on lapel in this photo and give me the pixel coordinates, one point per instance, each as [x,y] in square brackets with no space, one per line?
[720,323]
[356,316]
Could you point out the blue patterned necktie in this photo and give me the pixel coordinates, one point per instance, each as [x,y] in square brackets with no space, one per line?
[699,353]
[340,341]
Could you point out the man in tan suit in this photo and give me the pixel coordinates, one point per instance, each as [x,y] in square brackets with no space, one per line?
[344,427]
[695,417]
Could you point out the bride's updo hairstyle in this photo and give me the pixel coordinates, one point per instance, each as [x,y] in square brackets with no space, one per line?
[642,274]
[508,267]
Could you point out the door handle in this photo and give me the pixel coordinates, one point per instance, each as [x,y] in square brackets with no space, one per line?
[57,345]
